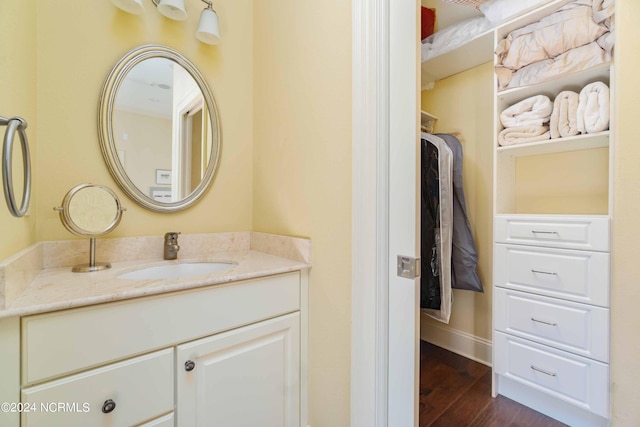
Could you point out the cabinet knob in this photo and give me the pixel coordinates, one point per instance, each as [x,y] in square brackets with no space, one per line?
[108,406]
[189,365]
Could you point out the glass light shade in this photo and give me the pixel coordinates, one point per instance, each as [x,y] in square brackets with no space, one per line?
[209,28]
[173,9]
[131,6]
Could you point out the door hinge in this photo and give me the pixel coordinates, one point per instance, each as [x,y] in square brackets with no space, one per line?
[408,267]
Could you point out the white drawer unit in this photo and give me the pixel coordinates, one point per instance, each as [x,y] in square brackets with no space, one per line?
[555,231]
[578,328]
[122,394]
[581,276]
[551,314]
[164,421]
[580,381]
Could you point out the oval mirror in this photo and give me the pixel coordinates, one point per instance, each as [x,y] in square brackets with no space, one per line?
[159,129]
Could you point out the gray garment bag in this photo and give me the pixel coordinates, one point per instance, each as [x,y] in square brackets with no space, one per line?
[464,255]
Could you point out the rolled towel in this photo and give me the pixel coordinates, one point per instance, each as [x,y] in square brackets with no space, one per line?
[593,108]
[523,134]
[533,111]
[564,118]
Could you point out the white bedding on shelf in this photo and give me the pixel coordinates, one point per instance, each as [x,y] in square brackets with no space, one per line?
[453,36]
[498,11]
[579,35]
[570,27]
[577,59]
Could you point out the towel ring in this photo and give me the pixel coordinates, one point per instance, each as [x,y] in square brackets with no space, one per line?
[15,124]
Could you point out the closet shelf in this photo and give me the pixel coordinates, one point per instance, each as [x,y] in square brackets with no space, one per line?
[550,146]
[479,49]
[574,81]
[427,121]
[476,51]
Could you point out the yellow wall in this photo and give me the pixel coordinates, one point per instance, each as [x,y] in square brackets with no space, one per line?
[302,172]
[18,98]
[625,314]
[146,147]
[77,44]
[564,183]
[451,102]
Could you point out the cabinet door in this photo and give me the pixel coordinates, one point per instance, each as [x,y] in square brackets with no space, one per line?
[246,377]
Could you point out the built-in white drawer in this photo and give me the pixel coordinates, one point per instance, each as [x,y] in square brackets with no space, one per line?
[122,394]
[164,421]
[114,331]
[578,328]
[580,276]
[558,231]
[574,379]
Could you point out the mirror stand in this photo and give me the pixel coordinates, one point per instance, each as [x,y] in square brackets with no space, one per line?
[92,265]
[90,210]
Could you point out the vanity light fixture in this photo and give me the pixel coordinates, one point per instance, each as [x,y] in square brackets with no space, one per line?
[132,6]
[208,27]
[172,9]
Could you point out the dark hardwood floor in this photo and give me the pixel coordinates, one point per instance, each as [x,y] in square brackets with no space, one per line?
[456,392]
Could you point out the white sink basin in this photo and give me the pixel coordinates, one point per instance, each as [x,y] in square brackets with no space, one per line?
[174,271]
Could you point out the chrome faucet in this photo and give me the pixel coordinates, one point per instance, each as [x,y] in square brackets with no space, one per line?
[171,246]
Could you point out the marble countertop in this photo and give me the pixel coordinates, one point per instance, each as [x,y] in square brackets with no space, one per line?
[58,288]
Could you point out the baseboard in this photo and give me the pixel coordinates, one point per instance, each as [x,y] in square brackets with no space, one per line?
[462,343]
[549,405]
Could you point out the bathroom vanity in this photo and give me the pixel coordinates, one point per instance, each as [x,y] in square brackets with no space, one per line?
[227,348]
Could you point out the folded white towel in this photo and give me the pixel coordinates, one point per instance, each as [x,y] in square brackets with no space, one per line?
[564,118]
[523,134]
[593,108]
[533,111]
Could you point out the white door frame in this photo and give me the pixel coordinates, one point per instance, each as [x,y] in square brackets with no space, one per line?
[372,47]
[370,224]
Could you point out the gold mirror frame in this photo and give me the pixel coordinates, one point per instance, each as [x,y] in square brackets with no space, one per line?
[106,136]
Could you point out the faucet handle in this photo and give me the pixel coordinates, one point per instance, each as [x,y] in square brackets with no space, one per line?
[171,236]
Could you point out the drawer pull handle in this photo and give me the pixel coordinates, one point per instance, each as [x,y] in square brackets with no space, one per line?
[189,365]
[108,406]
[544,272]
[542,321]
[551,374]
[544,232]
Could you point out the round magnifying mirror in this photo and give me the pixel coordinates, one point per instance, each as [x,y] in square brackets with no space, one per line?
[90,210]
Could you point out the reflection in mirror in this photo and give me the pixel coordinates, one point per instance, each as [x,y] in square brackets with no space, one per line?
[159,129]
[90,210]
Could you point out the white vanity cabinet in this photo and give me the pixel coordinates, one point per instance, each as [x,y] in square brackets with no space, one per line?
[227,354]
[245,377]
